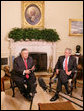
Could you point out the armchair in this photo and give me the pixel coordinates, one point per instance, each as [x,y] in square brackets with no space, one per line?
[71,82]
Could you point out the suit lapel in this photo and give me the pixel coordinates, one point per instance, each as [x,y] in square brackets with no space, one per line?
[22,61]
[28,63]
[63,60]
[69,63]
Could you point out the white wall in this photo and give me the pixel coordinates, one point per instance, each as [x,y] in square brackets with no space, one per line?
[57,15]
[10,18]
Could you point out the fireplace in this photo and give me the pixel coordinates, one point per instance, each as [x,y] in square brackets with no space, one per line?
[40,61]
[41,52]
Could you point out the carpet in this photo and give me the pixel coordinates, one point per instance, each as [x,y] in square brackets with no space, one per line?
[10,103]
[56,106]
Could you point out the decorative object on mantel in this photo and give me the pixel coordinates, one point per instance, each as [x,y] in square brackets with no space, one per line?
[78,47]
[18,34]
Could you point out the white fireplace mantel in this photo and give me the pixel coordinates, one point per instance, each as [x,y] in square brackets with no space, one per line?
[34,46]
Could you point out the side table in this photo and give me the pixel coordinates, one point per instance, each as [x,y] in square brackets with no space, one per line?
[56,106]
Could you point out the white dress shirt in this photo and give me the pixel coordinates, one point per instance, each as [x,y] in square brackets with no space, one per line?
[64,62]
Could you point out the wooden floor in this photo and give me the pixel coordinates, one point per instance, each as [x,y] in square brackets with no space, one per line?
[20,103]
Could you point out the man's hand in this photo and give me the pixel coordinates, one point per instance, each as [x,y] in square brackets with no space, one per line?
[68,73]
[27,71]
[57,71]
[33,68]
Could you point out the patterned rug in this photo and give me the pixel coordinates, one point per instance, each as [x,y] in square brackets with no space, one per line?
[19,102]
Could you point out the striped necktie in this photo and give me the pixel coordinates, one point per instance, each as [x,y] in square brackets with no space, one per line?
[66,67]
[27,75]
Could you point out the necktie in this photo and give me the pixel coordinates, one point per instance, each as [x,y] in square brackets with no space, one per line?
[66,67]
[27,76]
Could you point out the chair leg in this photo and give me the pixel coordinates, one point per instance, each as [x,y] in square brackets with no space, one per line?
[82,93]
[13,93]
[13,89]
[71,88]
[75,83]
[10,83]
[33,94]
[50,87]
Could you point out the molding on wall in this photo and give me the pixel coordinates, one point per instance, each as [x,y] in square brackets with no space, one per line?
[4,54]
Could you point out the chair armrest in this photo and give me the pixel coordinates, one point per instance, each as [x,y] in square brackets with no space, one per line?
[52,75]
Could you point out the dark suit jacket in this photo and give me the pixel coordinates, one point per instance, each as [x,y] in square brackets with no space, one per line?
[72,66]
[19,67]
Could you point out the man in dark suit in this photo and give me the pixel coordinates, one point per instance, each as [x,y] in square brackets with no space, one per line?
[65,68]
[23,74]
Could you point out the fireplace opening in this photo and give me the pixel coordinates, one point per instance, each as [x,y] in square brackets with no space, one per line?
[40,61]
